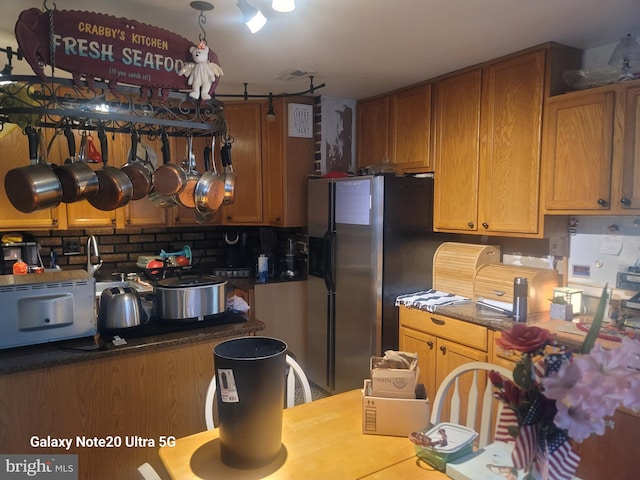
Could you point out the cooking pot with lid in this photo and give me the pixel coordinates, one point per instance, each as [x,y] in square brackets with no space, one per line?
[189,298]
[120,307]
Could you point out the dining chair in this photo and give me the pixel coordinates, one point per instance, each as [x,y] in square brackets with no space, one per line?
[480,404]
[295,373]
[147,472]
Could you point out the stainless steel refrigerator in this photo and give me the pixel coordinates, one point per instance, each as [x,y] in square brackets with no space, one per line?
[370,239]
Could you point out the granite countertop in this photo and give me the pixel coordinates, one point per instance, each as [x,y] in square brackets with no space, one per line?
[13,360]
[565,332]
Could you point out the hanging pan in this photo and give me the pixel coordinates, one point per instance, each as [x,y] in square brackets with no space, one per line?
[169,179]
[229,176]
[209,191]
[157,198]
[115,187]
[78,179]
[186,196]
[36,186]
[140,172]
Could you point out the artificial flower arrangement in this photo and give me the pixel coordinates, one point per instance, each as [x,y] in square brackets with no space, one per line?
[556,395]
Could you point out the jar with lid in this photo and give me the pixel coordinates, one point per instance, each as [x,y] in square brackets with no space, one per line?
[20,267]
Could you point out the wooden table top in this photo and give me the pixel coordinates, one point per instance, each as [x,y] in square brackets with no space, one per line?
[321,439]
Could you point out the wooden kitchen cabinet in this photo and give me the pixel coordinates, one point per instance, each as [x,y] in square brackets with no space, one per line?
[14,153]
[487,147]
[155,394]
[287,164]
[442,344]
[396,129]
[591,155]
[487,125]
[372,131]
[244,124]
[457,151]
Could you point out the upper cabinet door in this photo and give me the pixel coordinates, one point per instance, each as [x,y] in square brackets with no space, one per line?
[372,131]
[630,175]
[578,151]
[457,151]
[512,97]
[410,121]
[244,125]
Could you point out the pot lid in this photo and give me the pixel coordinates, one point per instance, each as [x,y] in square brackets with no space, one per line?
[191,281]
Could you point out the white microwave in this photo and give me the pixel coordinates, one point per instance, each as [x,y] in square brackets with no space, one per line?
[46,307]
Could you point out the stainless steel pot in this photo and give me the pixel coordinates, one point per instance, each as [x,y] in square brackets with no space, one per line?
[190,298]
[120,307]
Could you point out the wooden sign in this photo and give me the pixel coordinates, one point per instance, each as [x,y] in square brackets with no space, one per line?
[99,46]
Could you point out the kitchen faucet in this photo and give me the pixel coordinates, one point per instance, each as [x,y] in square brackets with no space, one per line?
[92,268]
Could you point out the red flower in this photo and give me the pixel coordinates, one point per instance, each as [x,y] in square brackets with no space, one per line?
[522,338]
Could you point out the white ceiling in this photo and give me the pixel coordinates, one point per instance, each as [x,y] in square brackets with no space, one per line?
[361,48]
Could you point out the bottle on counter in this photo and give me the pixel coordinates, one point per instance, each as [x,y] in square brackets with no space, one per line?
[520,294]
[20,268]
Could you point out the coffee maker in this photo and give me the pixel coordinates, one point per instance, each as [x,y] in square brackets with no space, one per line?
[12,252]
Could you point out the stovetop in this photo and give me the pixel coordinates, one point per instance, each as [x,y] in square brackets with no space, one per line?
[158,326]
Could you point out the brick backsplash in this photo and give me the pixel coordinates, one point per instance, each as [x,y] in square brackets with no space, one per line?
[120,249]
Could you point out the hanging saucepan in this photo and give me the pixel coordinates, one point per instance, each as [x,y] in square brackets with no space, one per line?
[209,191]
[115,187]
[186,196]
[36,186]
[157,198]
[229,176]
[139,171]
[169,179]
[78,179]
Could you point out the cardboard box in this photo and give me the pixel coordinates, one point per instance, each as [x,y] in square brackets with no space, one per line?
[393,382]
[392,416]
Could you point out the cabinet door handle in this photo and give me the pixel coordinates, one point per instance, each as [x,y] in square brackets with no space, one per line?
[443,349]
[485,224]
[430,344]
[625,201]
[470,225]
[499,293]
[437,321]
[602,202]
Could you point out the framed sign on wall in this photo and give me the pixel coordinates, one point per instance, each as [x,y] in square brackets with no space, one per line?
[300,120]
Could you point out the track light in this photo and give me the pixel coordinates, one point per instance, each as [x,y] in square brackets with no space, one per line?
[283,5]
[271,114]
[253,18]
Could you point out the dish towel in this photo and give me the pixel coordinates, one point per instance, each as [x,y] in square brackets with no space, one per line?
[429,300]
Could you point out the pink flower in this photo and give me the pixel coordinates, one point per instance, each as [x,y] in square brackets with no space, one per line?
[578,422]
[559,384]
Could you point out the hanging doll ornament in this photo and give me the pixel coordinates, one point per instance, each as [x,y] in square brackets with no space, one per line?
[201,72]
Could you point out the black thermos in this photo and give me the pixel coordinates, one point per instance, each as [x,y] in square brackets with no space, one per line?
[520,293]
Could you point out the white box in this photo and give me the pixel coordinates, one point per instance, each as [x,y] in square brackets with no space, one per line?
[392,416]
[394,382]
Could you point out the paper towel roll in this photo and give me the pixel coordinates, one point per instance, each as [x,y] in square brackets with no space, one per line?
[263,264]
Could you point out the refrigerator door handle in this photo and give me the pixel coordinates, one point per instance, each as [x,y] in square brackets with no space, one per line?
[328,240]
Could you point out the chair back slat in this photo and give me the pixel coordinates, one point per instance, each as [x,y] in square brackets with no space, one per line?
[479,417]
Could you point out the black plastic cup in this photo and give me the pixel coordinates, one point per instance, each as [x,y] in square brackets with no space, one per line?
[250,375]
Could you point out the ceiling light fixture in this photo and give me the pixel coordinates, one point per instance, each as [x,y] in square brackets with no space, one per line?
[283,5]
[271,114]
[253,18]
